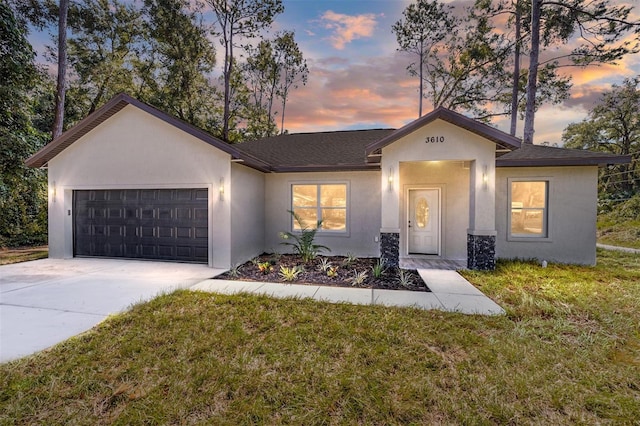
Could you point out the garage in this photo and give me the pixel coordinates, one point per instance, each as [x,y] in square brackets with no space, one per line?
[159,224]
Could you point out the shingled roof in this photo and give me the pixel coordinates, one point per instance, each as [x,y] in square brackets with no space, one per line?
[333,151]
[537,155]
[323,151]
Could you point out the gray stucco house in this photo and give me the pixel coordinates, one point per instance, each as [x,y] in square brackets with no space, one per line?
[132,181]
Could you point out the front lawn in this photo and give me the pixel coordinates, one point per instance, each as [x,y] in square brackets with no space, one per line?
[567,352]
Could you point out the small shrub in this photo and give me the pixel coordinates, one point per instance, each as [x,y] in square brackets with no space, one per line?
[235,271]
[289,274]
[350,259]
[324,265]
[405,278]
[265,267]
[304,243]
[379,268]
[358,278]
[332,271]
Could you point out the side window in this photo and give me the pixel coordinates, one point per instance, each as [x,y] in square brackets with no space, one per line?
[324,202]
[529,201]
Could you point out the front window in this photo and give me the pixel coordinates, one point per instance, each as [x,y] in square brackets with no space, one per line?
[320,202]
[529,207]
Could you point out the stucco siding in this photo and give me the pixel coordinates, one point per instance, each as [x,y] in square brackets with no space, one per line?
[247,213]
[363,213]
[460,163]
[572,215]
[452,179]
[133,149]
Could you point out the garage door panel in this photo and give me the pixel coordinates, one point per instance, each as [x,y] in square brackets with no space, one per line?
[201,194]
[168,224]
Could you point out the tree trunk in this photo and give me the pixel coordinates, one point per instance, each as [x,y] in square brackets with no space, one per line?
[532,85]
[284,100]
[228,64]
[515,91]
[421,58]
[62,69]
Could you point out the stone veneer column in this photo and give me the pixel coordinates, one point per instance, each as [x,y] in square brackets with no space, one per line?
[481,252]
[390,248]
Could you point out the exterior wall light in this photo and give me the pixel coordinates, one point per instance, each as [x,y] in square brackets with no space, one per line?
[221,189]
[485,177]
[52,192]
[390,179]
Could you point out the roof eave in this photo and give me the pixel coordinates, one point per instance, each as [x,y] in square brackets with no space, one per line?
[57,145]
[115,105]
[497,136]
[326,168]
[548,162]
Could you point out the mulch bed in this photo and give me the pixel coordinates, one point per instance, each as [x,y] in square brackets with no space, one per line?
[313,275]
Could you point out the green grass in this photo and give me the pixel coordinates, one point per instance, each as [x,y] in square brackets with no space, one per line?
[567,352]
[16,255]
[621,225]
[624,233]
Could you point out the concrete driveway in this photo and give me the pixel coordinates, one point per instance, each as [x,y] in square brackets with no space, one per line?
[44,302]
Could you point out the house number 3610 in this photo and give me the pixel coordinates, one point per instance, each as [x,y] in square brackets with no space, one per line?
[434,139]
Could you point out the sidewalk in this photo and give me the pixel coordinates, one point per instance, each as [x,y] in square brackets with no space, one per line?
[625,249]
[450,292]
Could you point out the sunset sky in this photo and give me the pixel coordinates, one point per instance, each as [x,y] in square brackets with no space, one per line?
[358,80]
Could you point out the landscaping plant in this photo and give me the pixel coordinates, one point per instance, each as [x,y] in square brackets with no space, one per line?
[405,278]
[379,268]
[290,274]
[358,278]
[324,265]
[265,267]
[349,260]
[304,243]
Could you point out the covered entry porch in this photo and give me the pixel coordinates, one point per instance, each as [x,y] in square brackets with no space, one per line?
[436,211]
[449,159]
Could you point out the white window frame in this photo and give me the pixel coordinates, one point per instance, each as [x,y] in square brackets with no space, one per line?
[546,237]
[319,184]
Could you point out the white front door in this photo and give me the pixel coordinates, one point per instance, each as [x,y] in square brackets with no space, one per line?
[424,221]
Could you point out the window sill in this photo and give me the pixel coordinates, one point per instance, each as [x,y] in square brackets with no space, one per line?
[518,239]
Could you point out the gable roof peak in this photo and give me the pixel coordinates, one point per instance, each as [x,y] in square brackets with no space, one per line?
[501,138]
[117,104]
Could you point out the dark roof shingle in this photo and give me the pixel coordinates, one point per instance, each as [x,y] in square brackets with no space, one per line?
[538,155]
[341,150]
[333,151]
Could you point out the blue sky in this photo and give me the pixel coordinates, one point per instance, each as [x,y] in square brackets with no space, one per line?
[358,80]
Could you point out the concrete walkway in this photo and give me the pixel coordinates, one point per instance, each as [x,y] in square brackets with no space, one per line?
[44,302]
[449,292]
[625,249]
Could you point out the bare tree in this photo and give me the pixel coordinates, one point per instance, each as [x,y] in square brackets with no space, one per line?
[58,119]
[238,20]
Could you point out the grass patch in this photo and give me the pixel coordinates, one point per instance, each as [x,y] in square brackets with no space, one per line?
[625,233]
[621,225]
[568,351]
[22,254]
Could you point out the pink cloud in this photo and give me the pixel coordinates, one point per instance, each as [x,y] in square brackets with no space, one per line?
[347,28]
[374,93]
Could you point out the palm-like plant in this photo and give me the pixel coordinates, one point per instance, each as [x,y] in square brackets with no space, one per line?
[303,243]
